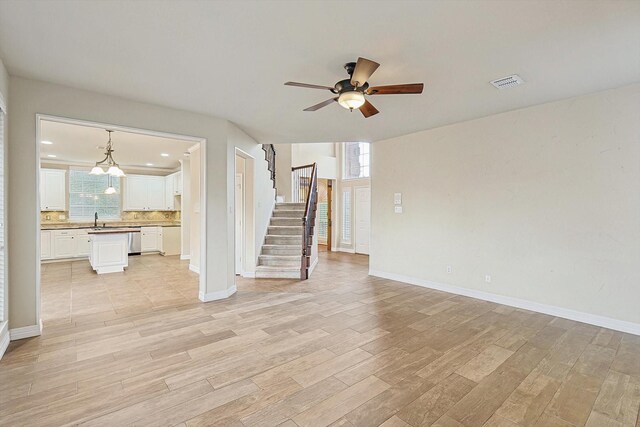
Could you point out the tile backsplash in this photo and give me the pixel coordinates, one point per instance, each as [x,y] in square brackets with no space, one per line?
[160,216]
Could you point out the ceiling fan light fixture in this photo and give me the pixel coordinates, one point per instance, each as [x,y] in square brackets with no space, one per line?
[351,100]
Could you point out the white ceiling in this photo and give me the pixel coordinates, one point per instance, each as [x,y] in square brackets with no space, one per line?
[231,58]
[83,144]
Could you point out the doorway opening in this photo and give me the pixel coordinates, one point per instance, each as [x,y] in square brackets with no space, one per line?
[244,217]
[110,242]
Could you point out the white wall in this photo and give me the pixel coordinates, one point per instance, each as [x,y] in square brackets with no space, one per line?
[545,199]
[195,209]
[322,153]
[264,194]
[30,97]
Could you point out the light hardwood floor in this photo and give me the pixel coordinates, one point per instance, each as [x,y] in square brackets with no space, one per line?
[342,349]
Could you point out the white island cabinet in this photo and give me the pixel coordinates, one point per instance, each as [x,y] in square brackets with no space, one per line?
[109,252]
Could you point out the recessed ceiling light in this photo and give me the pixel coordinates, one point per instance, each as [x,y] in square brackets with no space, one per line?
[164,154]
[149,164]
[186,154]
[47,142]
[52,155]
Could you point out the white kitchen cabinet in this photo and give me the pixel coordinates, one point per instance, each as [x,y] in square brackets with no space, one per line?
[171,242]
[45,245]
[177,183]
[53,190]
[144,193]
[64,244]
[83,243]
[151,239]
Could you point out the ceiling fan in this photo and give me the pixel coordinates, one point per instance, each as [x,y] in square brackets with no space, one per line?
[351,92]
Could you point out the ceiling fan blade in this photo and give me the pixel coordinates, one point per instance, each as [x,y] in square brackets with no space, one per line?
[368,109]
[396,89]
[364,69]
[320,105]
[308,85]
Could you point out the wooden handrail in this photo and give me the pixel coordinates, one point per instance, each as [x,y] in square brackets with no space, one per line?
[305,179]
[270,157]
[302,167]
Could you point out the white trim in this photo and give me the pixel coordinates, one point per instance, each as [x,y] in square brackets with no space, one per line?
[214,296]
[194,269]
[3,104]
[343,249]
[250,274]
[552,310]
[313,266]
[198,141]
[185,257]
[4,337]
[25,332]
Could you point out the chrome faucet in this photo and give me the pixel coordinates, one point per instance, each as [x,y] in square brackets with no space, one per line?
[95,220]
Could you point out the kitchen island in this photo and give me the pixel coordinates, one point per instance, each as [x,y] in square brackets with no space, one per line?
[109,249]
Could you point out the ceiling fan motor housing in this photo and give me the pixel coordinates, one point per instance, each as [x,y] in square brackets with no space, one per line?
[346,86]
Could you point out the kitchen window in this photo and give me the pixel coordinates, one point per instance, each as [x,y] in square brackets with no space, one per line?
[86,196]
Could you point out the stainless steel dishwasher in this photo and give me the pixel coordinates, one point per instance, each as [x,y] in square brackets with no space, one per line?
[135,242]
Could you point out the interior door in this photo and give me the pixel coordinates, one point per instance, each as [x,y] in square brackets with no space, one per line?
[239,200]
[363,219]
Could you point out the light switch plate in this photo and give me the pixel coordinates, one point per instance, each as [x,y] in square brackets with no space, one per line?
[398,209]
[397,198]
[63,217]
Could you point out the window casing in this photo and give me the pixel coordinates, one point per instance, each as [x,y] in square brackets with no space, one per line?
[346,216]
[356,160]
[86,196]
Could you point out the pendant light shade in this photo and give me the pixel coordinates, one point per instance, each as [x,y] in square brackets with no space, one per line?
[112,167]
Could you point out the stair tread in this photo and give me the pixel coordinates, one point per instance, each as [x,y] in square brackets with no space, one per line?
[277,268]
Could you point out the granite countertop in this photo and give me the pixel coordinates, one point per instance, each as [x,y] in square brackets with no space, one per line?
[108,224]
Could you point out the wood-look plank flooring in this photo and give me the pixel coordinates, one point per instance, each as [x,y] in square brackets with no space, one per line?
[341,349]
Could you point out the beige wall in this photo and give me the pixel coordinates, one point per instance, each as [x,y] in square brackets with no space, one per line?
[4,96]
[545,199]
[30,97]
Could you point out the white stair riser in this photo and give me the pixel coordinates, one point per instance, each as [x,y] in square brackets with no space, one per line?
[290,206]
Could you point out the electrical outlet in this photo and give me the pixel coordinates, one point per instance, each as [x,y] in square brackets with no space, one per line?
[48,217]
[135,216]
[449,269]
[487,278]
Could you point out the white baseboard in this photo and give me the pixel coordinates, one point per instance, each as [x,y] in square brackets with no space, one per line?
[194,268]
[4,338]
[185,257]
[25,332]
[341,249]
[214,296]
[249,274]
[313,266]
[552,310]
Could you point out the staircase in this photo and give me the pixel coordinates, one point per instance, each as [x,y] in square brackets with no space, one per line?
[280,256]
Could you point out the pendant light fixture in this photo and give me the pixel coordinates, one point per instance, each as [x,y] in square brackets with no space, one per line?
[110,189]
[112,167]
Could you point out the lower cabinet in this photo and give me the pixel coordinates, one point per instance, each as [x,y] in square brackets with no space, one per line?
[62,244]
[46,249]
[151,239]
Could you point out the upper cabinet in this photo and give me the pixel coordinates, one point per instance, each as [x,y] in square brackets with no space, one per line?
[53,190]
[152,193]
[144,193]
[173,188]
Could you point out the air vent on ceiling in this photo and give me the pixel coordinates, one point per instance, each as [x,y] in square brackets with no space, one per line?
[509,81]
